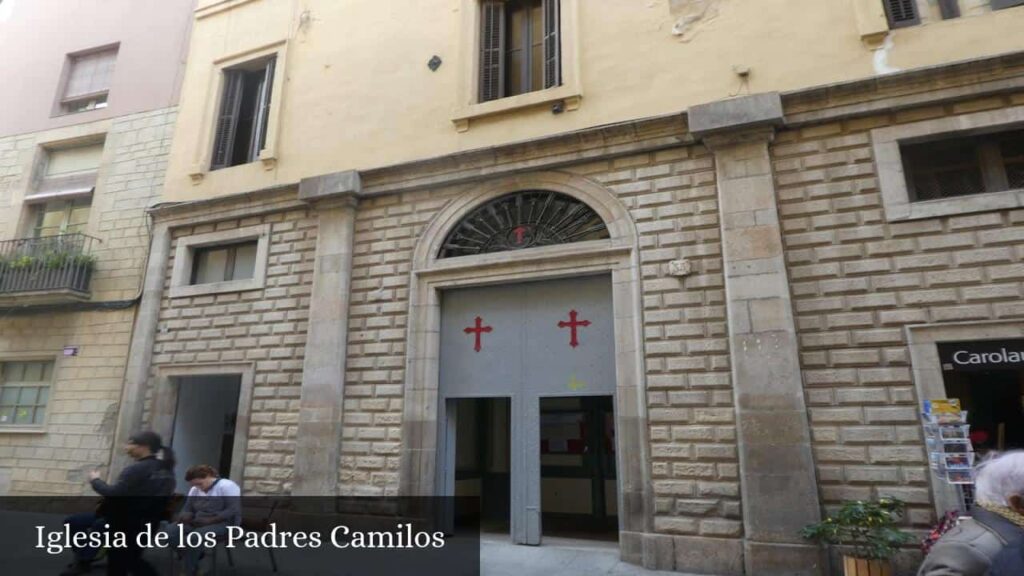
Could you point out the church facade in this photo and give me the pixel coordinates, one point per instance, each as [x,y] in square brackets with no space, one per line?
[691,308]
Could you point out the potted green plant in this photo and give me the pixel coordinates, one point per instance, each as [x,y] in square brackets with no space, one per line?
[867,533]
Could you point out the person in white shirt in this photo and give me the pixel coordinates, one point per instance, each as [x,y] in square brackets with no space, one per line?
[213,504]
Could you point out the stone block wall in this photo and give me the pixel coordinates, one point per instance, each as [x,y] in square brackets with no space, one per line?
[264,327]
[87,388]
[858,280]
[672,197]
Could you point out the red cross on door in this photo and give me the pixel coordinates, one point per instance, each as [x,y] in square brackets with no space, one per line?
[478,328]
[572,325]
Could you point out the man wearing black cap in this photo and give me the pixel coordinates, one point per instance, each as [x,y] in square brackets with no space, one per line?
[139,496]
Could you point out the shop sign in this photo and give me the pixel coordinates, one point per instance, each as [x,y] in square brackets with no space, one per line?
[982,355]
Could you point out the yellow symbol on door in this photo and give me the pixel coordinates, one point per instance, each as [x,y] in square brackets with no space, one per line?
[575,384]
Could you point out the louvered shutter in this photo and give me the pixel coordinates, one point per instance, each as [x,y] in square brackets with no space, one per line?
[227,120]
[1000,4]
[492,50]
[263,111]
[552,44]
[902,13]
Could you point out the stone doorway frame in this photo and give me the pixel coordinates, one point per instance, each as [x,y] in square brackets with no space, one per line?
[165,404]
[618,256]
[926,369]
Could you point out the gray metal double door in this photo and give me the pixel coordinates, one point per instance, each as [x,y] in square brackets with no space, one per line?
[523,342]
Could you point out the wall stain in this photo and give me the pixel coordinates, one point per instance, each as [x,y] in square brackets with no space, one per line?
[691,15]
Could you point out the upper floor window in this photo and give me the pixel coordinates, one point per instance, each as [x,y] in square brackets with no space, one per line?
[62,196]
[520,47]
[224,263]
[244,111]
[232,260]
[60,217]
[24,392]
[964,165]
[901,13]
[88,80]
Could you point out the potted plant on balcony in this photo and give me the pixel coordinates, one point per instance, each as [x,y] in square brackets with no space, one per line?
[867,534]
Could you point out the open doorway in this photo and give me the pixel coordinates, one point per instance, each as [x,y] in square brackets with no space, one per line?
[993,400]
[204,423]
[483,458]
[577,459]
[987,376]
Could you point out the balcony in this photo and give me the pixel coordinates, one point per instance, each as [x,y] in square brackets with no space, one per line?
[46,270]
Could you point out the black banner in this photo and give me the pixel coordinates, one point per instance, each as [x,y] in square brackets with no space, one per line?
[982,355]
[298,535]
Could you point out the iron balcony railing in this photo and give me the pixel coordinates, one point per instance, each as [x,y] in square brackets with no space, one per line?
[48,263]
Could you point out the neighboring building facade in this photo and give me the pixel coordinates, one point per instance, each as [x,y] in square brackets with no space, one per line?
[682,269]
[85,133]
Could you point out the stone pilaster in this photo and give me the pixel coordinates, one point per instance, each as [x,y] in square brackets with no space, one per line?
[321,406]
[140,352]
[778,482]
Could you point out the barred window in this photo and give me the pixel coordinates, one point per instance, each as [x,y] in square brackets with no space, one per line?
[962,166]
[24,392]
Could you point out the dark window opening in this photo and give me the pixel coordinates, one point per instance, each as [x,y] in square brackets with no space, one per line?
[963,166]
[902,13]
[244,111]
[520,48]
[224,263]
[1001,4]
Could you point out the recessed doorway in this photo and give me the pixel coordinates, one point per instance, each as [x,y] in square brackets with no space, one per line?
[205,419]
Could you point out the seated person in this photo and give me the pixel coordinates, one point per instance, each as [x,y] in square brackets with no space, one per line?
[213,504]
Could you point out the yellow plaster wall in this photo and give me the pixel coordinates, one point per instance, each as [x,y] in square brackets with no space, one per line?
[358,94]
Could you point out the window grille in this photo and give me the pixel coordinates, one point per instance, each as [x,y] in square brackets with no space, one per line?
[524,220]
[964,166]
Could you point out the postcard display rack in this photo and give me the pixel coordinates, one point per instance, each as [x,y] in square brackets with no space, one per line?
[950,454]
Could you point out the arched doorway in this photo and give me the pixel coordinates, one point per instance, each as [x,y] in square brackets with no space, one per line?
[511,243]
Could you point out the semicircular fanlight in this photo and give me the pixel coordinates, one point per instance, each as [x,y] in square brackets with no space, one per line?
[524,220]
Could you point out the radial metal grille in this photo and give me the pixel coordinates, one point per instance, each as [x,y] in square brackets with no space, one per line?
[524,220]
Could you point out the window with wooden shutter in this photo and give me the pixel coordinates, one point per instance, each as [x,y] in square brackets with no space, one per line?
[520,47]
[241,130]
[902,13]
[492,51]
[552,44]
[263,115]
[227,120]
[1000,4]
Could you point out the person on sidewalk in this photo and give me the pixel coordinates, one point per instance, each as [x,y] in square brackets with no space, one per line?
[138,497]
[213,504]
[996,522]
